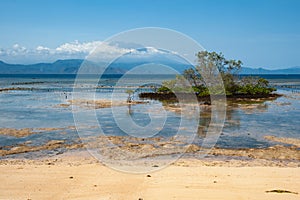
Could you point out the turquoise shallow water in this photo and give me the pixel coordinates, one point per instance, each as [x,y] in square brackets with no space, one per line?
[38,107]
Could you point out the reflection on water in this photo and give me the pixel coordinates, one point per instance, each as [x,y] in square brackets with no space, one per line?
[234,134]
[245,126]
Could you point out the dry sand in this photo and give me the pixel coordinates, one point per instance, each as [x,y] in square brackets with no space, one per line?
[70,177]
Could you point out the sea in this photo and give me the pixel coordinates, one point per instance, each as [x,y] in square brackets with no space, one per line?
[42,102]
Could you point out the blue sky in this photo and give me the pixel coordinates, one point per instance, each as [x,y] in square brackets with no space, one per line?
[263,33]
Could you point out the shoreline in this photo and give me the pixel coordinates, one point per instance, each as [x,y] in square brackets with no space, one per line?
[280,150]
[82,157]
[133,143]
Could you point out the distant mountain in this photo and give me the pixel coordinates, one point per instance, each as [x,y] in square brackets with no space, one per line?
[292,70]
[57,67]
[72,66]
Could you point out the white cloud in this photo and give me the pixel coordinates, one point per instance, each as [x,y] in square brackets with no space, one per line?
[148,51]
[20,54]
[73,50]
[18,47]
[77,47]
[17,50]
[42,48]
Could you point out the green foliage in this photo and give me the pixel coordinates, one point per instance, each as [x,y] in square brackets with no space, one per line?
[201,90]
[254,89]
[192,76]
[214,66]
[254,85]
[164,89]
[208,62]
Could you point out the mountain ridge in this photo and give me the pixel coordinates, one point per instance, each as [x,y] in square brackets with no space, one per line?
[290,70]
[71,66]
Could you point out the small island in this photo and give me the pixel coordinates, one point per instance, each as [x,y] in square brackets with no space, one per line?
[204,81]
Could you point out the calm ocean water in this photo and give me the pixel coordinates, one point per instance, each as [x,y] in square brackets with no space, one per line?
[37,105]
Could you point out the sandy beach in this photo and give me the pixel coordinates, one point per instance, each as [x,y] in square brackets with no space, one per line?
[255,173]
[82,177]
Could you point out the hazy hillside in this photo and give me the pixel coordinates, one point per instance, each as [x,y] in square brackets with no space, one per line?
[58,67]
[71,67]
[292,70]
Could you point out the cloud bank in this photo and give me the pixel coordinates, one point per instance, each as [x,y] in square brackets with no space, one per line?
[73,50]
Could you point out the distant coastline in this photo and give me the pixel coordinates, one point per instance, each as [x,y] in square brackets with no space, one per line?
[71,66]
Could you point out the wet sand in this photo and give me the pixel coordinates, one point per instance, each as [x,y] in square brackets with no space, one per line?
[285,150]
[96,104]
